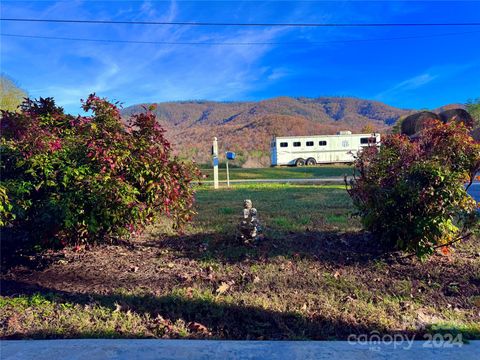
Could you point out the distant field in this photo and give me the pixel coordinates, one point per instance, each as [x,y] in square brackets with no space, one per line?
[282,172]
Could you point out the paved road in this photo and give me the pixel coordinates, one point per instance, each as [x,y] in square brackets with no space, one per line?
[217,349]
[474,190]
[312,180]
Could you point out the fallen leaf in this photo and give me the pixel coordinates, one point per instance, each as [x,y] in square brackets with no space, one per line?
[12,322]
[184,277]
[336,275]
[223,288]
[256,279]
[445,250]
[197,327]
[189,292]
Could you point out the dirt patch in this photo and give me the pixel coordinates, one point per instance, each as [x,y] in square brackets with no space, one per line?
[160,265]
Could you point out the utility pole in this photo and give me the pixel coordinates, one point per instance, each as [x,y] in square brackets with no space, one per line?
[215,162]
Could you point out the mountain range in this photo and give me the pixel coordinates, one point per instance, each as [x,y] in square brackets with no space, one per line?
[247,127]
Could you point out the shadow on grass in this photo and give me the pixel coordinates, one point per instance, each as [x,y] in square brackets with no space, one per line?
[331,247]
[17,250]
[223,320]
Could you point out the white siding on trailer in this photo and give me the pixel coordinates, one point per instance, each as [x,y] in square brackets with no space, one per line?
[334,148]
[284,152]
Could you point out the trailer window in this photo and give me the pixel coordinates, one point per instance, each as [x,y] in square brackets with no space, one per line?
[309,143]
[368,140]
[322,143]
[297,144]
[283,144]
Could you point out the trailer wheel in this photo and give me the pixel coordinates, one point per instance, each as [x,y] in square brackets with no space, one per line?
[311,162]
[300,162]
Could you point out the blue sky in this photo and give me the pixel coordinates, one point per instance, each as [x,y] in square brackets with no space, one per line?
[426,68]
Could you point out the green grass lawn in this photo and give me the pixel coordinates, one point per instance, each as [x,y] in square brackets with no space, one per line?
[316,275]
[282,172]
[282,208]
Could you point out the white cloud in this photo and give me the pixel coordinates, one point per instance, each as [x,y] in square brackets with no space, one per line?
[435,73]
[140,72]
[278,73]
[407,85]
[132,73]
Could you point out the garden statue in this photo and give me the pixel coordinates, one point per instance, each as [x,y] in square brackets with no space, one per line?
[249,227]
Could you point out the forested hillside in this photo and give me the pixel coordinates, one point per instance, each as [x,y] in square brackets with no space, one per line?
[247,127]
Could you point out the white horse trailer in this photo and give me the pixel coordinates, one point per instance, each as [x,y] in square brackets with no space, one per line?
[319,149]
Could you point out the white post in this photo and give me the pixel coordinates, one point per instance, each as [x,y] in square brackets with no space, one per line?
[228,175]
[215,162]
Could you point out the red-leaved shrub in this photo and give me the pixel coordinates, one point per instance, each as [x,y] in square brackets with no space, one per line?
[68,180]
[412,194]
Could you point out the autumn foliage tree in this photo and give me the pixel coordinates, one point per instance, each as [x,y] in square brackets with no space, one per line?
[411,194]
[11,95]
[473,107]
[71,180]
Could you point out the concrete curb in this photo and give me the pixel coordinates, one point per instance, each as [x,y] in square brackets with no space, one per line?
[218,349]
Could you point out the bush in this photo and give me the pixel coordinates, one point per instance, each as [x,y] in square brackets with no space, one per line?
[412,195]
[70,180]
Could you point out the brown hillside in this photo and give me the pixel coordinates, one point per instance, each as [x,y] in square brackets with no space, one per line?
[247,127]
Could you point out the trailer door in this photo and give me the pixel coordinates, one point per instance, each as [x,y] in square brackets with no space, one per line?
[273,153]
